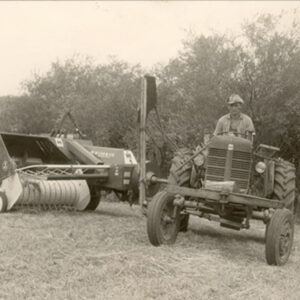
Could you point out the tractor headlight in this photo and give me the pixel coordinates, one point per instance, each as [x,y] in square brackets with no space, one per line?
[260,167]
[199,160]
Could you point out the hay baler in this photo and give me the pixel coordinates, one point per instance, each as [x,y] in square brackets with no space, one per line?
[54,171]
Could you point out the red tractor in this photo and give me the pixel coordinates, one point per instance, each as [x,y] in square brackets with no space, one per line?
[231,182]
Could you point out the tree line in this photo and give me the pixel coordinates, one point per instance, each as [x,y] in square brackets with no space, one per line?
[261,64]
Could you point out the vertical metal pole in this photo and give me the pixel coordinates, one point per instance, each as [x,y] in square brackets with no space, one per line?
[142,141]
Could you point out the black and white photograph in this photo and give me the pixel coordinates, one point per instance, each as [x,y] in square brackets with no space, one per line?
[150,150]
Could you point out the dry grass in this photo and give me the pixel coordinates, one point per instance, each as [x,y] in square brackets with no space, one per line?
[106,255]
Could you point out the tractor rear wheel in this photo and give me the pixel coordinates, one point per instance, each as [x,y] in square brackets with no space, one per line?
[279,237]
[163,220]
[285,184]
[296,205]
[181,177]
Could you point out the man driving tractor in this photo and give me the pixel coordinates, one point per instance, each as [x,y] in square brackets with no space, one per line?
[235,123]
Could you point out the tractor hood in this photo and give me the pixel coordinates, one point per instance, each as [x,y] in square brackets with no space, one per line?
[225,142]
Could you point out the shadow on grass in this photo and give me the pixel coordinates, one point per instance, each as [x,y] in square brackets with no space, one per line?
[117,211]
[104,209]
[227,234]
[237,246]
[116,214]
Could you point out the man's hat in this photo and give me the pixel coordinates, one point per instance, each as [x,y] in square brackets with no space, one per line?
[234,98]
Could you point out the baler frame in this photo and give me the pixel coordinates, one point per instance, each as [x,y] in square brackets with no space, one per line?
[65,172]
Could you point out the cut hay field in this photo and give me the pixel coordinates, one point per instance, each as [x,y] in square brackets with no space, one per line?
[106,255]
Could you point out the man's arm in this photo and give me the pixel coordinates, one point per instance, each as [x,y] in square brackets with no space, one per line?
[249,129]
[250,126]
[218,129]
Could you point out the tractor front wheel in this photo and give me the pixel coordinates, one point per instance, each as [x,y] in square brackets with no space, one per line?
[163,220]
[279,237]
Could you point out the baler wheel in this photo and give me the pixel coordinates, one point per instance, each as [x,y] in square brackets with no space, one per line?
[163,219]
[93,204]
[95,199]
[279,237]
[3,202]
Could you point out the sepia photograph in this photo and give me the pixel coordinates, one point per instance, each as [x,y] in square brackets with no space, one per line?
[150,150]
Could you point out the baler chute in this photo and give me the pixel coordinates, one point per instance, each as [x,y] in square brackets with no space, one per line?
[11,187]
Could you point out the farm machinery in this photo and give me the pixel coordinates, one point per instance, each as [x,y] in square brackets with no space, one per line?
[62,169]
[230,181]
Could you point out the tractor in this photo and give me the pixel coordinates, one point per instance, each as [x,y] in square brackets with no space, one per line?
[230,181]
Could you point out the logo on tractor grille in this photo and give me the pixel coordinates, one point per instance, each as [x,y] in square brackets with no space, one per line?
[230,147]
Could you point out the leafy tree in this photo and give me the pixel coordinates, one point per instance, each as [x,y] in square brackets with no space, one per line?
[262,65]
[269,79]
[194,86]
[102,98]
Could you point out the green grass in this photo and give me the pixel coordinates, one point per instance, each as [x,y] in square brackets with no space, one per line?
[107,255]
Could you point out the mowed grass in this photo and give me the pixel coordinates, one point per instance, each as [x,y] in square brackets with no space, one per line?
[106,255]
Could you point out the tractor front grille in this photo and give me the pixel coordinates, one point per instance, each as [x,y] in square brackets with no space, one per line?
[239,164]
[216,162]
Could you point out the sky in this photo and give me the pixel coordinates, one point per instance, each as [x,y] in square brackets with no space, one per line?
[35,34]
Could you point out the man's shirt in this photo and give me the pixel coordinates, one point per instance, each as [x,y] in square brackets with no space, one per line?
[239,126]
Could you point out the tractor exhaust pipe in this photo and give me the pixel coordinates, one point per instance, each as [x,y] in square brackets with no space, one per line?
[147,103]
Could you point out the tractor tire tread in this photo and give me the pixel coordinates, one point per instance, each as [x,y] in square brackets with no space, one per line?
[284,183]
[272,231]
[153,221]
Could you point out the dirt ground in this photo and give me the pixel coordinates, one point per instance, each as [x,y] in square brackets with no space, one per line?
[106,255]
